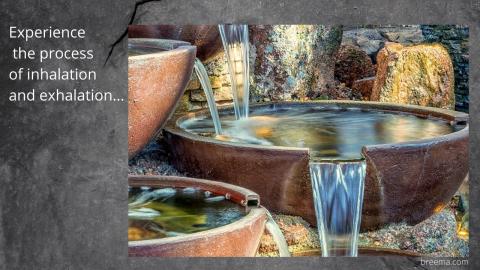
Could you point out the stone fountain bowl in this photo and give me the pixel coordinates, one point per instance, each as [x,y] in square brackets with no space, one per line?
[237,239]
[205,37]
[405,181]
[156,82]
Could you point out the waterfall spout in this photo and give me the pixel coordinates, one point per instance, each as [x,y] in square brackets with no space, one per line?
[338,197]
[235,42]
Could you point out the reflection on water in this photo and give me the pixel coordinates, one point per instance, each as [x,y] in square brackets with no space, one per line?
[166,212]
[329,131]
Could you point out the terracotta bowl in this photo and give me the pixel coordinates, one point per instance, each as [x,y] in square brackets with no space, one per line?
[156,82]
[405,181]
[205,37]
[237,239]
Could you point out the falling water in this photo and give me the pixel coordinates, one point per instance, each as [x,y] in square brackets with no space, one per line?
[338,197]
[207,88]
[235,43]
[272,227]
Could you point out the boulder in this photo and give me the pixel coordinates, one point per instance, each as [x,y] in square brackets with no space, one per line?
[418,74]
[363,87]
[292,61]
[352,64]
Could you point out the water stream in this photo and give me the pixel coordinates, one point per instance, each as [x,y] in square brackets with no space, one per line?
[207,89]
[338,197]
[337,186]
[235,42]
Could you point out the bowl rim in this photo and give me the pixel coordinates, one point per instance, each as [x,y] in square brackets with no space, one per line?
[254,212]
[453,117]
[165,47]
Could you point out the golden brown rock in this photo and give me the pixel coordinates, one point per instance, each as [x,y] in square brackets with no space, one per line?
[420,75]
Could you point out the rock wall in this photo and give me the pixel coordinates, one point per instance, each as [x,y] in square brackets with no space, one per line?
[296,62]
[194,97]
[293,61]
[455,39]
[373,38]
[287,62]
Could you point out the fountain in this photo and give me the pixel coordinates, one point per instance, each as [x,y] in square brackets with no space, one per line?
[286,150]
[406,165]
[146,46]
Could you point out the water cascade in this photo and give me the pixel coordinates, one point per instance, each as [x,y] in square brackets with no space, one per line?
[235,42]
[207,88]
[338,197]
[337,186]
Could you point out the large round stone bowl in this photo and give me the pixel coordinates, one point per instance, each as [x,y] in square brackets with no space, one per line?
[205,37]
[237,239]
[406,181]
[158,73]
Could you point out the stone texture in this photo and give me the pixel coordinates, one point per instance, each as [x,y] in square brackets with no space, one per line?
[352,64]
[419,75]
[364,87]
[223,94]
[455,39]
[286,62]
[436,236]
[194,97]
[298,234]
[372,38]
[338,91]
[193,84]
[153,160]
[292,61]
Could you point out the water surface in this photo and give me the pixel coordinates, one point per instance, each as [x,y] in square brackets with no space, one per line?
[331,132]
[167,212]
